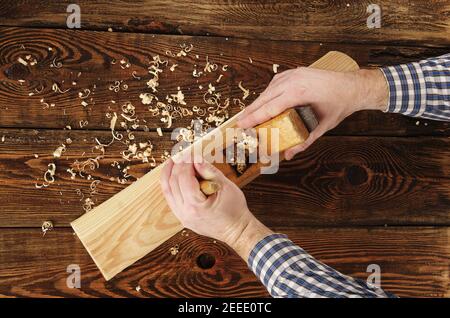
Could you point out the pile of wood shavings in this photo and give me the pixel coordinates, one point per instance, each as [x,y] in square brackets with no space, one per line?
[168,106]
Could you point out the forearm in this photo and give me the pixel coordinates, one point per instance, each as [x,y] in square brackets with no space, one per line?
[373,90]
[286,270]
[248,236]
[420,89]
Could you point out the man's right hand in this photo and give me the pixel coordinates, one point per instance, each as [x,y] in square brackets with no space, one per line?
[332,95]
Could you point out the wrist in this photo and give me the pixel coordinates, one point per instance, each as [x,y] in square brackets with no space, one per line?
[372,90]
[250,233]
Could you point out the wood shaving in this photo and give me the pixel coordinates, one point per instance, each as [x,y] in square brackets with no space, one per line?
[135,76]
[49,176]
[210,67]
[83,123]
[93,186]
[46,226]
[174,250]
[147,98]
[56,64]
[56,89]
[72,173]
[46,105]
[275,68]
[84,94]
[58,152]
[245,91]
[172,68]
[195,73]
[158,130]
[22,61]
[88,205]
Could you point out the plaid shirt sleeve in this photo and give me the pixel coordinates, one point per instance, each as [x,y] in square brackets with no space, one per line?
[288,271]
[420,89]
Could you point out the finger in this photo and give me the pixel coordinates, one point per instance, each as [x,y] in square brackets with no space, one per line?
[265,97]
[268,111]
[189,185]
[313,136]
[165,185]
[208,172]
[174,184]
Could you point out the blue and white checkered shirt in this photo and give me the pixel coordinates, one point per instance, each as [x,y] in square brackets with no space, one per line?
[417,89]
[420,89]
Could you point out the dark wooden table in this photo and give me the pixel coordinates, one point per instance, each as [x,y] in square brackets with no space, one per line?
[375,190]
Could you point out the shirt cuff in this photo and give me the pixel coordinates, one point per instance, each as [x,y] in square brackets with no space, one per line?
[407,89]
[271,256]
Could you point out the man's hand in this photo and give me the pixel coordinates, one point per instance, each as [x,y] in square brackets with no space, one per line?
[332,95]
[223,215]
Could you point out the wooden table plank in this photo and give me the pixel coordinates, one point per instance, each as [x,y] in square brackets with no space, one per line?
[92,53]
[338,181]
[413,263]
[416,21]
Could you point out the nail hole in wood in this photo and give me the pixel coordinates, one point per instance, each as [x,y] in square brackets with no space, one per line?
[205,261]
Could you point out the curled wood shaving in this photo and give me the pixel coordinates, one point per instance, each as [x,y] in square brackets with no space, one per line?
[195,73]
[46,226]
[56,64]
[56,89]
[83,123]
[45,104]
[275,68]
[93,186]
[147,98]
[84,94]
[49,176]
[245,91]
[58,152]
[172,68]
[174,250]
[210,67]
[88,204]
[72,173]
[135,76]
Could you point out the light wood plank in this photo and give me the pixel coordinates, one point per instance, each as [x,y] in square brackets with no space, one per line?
[136,220]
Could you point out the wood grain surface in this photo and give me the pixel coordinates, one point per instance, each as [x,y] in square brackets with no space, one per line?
[135,221]
[92,53]
[415,21]
[413,263]
[336,197]
[338,181]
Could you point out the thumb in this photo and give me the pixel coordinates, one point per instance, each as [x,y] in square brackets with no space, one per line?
[207,171]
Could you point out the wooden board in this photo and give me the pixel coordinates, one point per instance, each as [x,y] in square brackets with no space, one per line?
[137,220]
[339,181]
[91,53]
[415,21]
[413,262]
